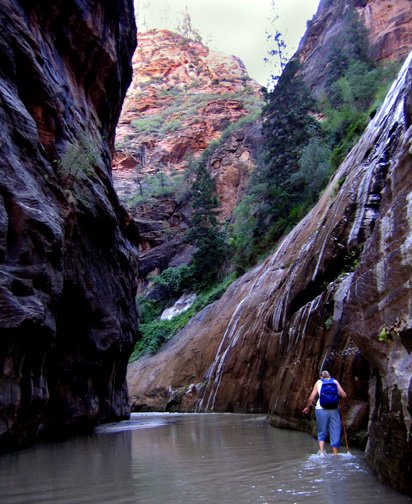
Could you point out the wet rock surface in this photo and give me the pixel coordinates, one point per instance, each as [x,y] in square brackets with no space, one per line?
[67,252]
[335,294]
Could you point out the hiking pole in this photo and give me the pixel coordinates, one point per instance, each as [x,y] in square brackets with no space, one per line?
[344,428]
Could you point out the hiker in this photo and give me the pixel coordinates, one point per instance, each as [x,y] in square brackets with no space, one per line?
[327,410]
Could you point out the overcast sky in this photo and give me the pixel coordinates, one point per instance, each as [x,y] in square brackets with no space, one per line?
[236,27]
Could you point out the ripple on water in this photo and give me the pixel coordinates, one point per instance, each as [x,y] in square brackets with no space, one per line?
[335,479]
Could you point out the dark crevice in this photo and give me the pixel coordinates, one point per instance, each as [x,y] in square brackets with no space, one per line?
[343,263]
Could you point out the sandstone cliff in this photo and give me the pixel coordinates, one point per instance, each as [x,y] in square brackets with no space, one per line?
[335,294]
[183,97]
[389,32]
[389,26]
[67,315]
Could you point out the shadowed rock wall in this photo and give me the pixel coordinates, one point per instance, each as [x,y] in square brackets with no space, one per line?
[67,315]
[336,294]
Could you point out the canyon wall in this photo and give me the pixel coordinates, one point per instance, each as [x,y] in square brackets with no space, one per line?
[336,294]
[388,33]
[389,26]
[182,99]
[67,247]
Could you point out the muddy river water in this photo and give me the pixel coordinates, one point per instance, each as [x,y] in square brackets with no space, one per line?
[189,458]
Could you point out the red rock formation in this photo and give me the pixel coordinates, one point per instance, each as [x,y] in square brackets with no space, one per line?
[183,96]
[335,294]
[67,315]
[389,27]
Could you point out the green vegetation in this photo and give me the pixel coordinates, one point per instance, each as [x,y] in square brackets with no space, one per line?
[181,106]
[202,276]
[155,332]
[159,185]
[328,323]
[350,261]
[383,335]
[306,140]
[204,232]
[177,280]
[80,158]
[149,123]
[350,103]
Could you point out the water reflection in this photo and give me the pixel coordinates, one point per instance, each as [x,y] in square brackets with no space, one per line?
[176,458]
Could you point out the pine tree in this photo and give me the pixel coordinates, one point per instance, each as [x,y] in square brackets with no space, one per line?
[204,232]
[287,128]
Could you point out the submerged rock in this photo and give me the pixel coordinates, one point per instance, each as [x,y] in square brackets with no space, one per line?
[67,252]
[336,294]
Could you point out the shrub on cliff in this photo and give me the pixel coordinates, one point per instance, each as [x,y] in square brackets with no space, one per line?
[176,279]
[159,185]
[155,332]
[79,158]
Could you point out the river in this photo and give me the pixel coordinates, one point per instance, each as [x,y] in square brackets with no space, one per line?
[189,458]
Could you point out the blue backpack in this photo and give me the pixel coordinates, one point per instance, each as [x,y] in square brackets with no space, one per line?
[329,396]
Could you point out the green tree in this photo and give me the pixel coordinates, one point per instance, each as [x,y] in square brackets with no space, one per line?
[287,127]
[350,44]
[204,232]
[242,230]
[277,54]
[314,169]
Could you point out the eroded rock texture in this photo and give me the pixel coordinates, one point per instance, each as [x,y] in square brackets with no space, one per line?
[182,98]
[389,25]
[67,316]
[336,294]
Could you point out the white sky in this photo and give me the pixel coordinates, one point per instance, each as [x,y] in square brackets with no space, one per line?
[237,27]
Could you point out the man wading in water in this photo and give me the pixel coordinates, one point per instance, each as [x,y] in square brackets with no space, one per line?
[327,411]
